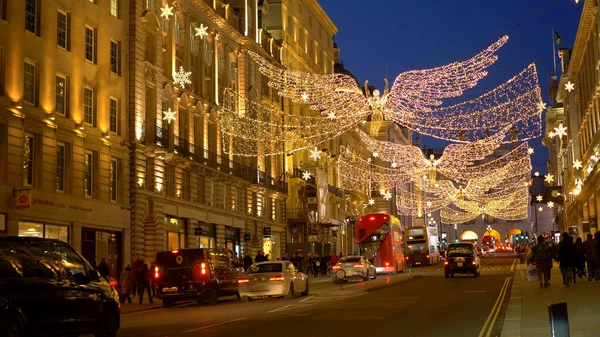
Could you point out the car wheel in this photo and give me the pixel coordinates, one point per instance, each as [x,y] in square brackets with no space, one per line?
[167,303]
[108,324]
[305,292]
[446,274]
[10,327]
[246,299]
[291,292]
[366,278]
[238,296]
[213,297]
[374,276]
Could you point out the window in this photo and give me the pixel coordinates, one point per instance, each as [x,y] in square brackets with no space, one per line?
[115,65]
[167,179]
[29,83]
[114,115]
[40,230]
[113,179]
[62,34]
[90,35]
[114,8]
[31,11]
[149,5]
[88,173]
[28,155]
[72,262]
[60,167]
[88,106]
[3,9]
[61,100]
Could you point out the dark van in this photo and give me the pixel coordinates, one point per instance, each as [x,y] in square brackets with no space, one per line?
[200,274]
[47,288]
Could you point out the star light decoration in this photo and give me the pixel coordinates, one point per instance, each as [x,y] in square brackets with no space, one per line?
[539,198]
[540,209]
[169,115]
[387,195]
[315,154]
[541,106]
[394,164]
[560,131]
[182,77]
[202,31]
[537,174]
[530,150]
[429,204]
[166,12]
[306,175]
[550,204]
[577,164]
[549,178]
[569,86]
[371,202]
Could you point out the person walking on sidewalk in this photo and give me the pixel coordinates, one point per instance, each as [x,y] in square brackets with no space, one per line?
[127,283]
[566,258]
[144,283]
[590,249]
[541,256]
[579,259]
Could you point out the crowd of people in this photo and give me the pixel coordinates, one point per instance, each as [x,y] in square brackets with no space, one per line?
[572,255]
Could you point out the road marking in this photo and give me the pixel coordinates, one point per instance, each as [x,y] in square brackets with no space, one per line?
[213,325]
[474,291]
[345,297]
[278,309]
[491,320]
[514,265]
[308,298]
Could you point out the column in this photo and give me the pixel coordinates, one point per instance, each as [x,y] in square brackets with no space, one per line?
[155,235]
[220,235]
[138,220]
[192,239]
[76,236]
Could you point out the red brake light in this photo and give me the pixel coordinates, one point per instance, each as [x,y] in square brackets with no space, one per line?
[407,257]
[358,265]
[427,255]
[175,251]
[387,264]
[156,274]
[445,263]
[336,267]
[277,278]
[114,283]
[203,269]
[474,262]
[243,280]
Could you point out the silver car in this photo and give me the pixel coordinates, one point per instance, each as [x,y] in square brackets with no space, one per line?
[272,279]
[355,267]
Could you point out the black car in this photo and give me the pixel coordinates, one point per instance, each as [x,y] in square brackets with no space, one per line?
[461,258]
[47,288]
[200,274]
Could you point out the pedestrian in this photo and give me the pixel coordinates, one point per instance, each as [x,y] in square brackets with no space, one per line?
[566,258]
[324,265]
[153,284]
[127,284]
[590,249]
[579,259]
[268,257]
[136,266]
[309,267]
[334,259]
[541,257]
[247,261]
[144,283]
[303,263]
[316,264]
[103,267]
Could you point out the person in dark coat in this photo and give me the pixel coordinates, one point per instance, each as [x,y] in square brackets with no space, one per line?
[579,259]
[103,267]
[144,283]
[247,261]
[590,249]
[566,258]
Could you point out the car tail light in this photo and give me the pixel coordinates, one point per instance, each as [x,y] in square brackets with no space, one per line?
[203,269]
[114,283]
[445,263]
[474,262]
[358,265]
[427,255]
[407,257]
[277,278]
[243,280]
[156,273]
[175,251]
[336,267]
[387,264]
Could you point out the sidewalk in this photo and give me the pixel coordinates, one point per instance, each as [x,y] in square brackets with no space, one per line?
[127,308]
[527,313]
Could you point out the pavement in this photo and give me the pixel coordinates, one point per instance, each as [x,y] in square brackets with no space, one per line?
[527,313]
[419,303]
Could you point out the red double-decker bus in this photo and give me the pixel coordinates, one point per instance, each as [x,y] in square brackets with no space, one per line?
[379,236]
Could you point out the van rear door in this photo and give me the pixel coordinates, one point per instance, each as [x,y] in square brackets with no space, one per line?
[179,267]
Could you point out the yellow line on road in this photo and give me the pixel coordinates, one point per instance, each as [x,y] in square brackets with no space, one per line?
[213,325]
[514,265]
[488,326]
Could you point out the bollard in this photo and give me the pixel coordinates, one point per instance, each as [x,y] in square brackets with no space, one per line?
[559,320]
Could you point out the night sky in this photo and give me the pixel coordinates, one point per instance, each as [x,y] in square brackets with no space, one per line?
[418,34]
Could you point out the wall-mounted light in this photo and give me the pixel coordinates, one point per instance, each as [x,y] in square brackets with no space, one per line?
[79,126]
[18,105]
[140,182]
[106,135]
[52,116]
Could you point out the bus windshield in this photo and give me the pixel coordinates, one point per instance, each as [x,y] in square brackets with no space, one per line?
[370,245]
[417,247]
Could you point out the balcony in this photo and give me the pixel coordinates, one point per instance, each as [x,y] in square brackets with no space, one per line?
[186,150]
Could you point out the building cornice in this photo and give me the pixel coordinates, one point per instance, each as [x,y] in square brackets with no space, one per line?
[322,16]
[583,34]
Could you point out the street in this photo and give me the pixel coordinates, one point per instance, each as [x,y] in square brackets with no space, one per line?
[417,303]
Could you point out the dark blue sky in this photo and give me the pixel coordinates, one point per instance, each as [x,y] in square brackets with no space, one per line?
[417,34]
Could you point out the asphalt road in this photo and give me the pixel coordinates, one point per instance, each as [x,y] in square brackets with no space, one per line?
[419,303]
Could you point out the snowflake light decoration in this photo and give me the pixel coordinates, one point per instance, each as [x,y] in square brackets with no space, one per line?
[376,154]
[371,202]
[429,204]
[530,150]
[551,134]
[548,178]
[202,31]
[182,77]
[577,164]
[537,174]
[306,175]
[394,165]
[560,131]
[304,96]
[169,116]
[550,204]
[387,195]
[331,115]
[540,209]
[569,86]
[541,106]
[539,198]
[315,154]
[166,12]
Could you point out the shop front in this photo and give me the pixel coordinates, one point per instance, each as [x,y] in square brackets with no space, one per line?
[175,228]
[271,243]
[206,235]
[233,240]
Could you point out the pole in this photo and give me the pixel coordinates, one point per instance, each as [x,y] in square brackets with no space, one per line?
[554,49]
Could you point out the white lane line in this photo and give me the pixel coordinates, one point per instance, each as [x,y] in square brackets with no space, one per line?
[279,309]
[345,297]
[213,325]
[306,299]
[474,291]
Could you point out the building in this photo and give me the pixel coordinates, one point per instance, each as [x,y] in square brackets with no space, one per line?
[578,152]
[64,154]
[187,190]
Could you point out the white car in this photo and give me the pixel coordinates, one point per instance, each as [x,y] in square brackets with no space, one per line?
[272,279]
[355,266]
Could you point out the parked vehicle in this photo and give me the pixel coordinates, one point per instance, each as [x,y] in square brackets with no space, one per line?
[202,274]
[461,258]
[47,288]
[355,267]
[272,279]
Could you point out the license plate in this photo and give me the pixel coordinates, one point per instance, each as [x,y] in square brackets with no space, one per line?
[417,262]
[170,290]
[459,264]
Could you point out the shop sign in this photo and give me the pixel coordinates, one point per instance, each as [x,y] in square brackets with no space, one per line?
[21,203]
[247,237]
[230,234]
[23,200]
[313,238]
[267,231]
